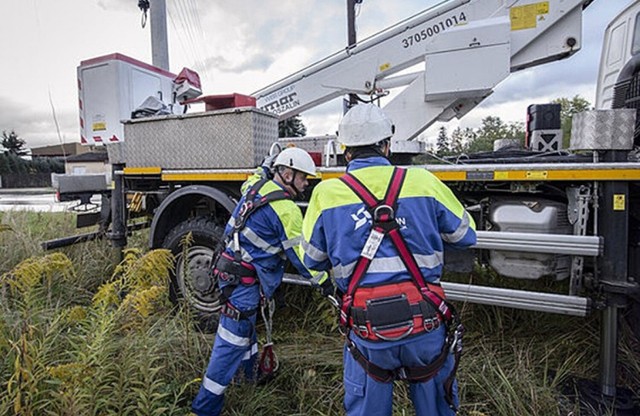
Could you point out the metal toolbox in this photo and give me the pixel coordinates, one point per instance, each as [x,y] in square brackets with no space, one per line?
[230,138]
[603,130]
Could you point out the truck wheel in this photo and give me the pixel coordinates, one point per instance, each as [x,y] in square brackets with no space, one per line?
[191,280]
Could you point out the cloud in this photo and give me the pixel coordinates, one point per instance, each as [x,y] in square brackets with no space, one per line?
[37,127]
[111,5]
[238,46]
[256,62]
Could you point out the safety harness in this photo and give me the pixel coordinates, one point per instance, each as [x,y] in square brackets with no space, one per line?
[232,269]
[394,311]
[235,271]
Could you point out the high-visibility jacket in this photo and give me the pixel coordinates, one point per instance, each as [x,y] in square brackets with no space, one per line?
[271,236]
[337,224]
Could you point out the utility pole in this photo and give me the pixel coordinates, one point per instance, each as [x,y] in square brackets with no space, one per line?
[351,40]
[159,42]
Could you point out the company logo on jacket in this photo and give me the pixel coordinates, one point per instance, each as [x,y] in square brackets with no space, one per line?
[362,217]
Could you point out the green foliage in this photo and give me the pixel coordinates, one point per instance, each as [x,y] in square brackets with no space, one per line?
[442,142]
[79,337]
[469,140]
[492,129]
[568,108]
[460,139]
[13,144]
[11,163]
[291,127]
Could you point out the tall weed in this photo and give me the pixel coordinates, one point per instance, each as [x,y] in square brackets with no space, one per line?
[80,336]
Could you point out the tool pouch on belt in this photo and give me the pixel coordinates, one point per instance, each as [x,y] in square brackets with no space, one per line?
[391,312]
[234,272]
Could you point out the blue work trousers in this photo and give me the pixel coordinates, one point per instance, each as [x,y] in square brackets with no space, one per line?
[235,346]
[366,396]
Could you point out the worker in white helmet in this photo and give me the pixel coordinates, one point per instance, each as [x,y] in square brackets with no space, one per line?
[264,228]
[382,229]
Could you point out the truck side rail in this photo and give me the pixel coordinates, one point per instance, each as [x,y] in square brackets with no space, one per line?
[519,299]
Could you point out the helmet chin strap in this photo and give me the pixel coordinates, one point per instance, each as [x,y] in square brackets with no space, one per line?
[298,193]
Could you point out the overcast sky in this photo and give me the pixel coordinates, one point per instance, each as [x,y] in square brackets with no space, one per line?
[236,46]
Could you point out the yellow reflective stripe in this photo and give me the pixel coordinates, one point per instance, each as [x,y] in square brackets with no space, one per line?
[195,176]
[150,170]
[539,175]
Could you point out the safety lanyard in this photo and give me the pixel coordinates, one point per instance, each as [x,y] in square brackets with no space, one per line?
[384,223]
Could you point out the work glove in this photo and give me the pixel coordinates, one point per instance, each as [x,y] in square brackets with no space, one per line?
[267,166]
[326,287]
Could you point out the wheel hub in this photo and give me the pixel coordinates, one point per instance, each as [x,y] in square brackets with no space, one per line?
[194,279]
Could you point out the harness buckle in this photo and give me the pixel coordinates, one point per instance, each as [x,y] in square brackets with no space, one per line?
[361,330]
[401,374]
[380,211]
[456,344]
[431,324]
[230,312]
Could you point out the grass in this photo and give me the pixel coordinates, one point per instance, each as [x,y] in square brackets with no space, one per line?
[79,336]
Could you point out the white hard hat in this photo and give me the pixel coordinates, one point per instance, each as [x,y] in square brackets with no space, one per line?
[364,124]
[296,158]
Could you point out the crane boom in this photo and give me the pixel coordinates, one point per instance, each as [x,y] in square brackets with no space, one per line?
[463,49]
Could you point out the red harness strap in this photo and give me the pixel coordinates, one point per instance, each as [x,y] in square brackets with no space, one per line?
[384,222]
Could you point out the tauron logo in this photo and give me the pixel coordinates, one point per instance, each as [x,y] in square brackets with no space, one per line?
[361,217]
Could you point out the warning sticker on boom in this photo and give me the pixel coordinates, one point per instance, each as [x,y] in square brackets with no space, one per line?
[526,17]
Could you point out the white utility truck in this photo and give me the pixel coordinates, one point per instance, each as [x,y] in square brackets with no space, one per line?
[542,212]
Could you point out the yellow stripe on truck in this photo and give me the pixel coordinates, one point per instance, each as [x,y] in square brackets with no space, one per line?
[150,170]
[226,176]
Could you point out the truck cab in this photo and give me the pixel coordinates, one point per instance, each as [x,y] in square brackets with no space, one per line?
[620,46]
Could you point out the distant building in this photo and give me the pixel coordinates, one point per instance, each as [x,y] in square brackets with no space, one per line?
[59,150]
[88,162]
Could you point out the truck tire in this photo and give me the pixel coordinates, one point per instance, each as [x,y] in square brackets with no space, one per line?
[191,279]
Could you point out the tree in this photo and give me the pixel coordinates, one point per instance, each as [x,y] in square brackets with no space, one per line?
[460,139]
[442,142]
[492,129]
[568,108]
[291,127]
[13,143]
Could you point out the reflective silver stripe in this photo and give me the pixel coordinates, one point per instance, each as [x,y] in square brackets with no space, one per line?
[460,232]
[390,265]
[315,254]
[253,351]
[292,242]
[245,255]
[259,242]
[213,387]
[232,338]
[232,222]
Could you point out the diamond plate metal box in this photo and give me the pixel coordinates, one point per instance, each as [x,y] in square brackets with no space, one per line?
[603,130]
[231,138]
